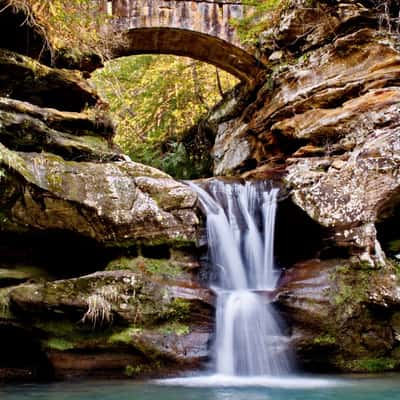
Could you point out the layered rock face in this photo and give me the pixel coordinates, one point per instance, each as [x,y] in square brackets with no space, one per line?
[97,268]
[98,265]
[327,121]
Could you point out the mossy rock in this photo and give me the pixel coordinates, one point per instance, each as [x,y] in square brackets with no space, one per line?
[394,246]
[379,364]
[81,136]
[101,299]
[343,315]
[63,335]
[159,267]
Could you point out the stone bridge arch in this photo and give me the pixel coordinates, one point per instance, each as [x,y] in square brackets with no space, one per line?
[199,29]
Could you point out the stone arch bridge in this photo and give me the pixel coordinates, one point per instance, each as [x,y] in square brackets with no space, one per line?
[199,29]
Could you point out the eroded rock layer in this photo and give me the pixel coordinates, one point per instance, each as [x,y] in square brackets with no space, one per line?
[98,273]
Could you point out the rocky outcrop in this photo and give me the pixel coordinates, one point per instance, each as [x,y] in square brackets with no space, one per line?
[114,203]
[85,325]
[330,116]
[74,136]
[97,275]
[326,122]
[23,78]
[117,322]
[343,318]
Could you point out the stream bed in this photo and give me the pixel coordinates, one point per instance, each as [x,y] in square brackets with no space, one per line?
[380,387]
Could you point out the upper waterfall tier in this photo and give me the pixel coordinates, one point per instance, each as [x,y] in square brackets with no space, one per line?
[240,231]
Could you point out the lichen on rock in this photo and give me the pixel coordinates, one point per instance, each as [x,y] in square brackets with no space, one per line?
[100,200]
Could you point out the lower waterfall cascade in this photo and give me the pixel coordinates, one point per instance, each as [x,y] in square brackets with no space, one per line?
[240,233]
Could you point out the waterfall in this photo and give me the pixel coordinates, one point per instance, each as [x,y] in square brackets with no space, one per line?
[240,231]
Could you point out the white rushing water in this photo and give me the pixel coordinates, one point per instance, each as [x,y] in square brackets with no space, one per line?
[240,231]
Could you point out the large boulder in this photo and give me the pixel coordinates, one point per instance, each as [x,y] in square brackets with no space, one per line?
[343,318]
[119,322]
[115,203]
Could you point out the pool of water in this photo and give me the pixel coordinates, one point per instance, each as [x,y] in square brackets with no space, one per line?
[214,388]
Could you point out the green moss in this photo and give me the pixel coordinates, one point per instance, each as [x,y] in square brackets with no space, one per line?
[175,328]
[141,369]
[325,339]
[372,364]
[180,309]
[130,370]
[58,344]
[264,14]
[351,284]
[343,269]
[55,181]
[57,328]
[161,267]
[124,336]
[396,265]
[394,246]
[66,333]
[15,162]
[344,294]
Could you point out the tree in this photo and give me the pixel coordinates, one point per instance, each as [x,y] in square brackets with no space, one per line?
[155,100]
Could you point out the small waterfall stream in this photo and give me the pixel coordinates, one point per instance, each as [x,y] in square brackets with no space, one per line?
[240,231]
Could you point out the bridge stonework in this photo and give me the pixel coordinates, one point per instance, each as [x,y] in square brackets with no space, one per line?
[211,17]
[200,29]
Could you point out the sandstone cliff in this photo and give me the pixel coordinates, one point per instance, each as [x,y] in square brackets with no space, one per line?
[326,124]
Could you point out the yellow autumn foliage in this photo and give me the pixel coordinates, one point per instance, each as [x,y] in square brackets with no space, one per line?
[68,23]
[154,101]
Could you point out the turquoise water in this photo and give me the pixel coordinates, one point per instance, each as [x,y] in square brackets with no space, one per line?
[379,388]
